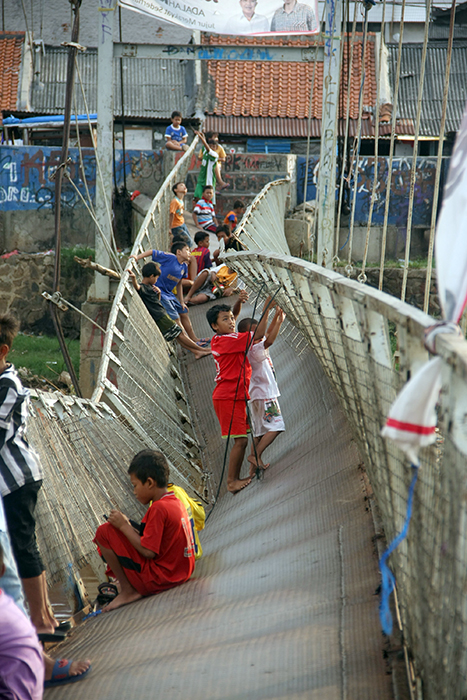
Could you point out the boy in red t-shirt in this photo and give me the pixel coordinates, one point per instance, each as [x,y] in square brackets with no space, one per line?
[201,252]
[163,556]
[229,350]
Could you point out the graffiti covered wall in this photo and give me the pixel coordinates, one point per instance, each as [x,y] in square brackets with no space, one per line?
[26,176]
[400,188]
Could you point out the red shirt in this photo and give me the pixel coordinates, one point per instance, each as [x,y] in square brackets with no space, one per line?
[203,258]
[229,353]
[168,533]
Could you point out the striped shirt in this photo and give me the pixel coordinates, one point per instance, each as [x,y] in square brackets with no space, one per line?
[205,212]
[19,464]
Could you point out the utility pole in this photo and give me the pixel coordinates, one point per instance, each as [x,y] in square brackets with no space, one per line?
[104,182]
[329,126]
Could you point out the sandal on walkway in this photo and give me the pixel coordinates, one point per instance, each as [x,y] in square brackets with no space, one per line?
[61,674]
[51,637]
[107,592]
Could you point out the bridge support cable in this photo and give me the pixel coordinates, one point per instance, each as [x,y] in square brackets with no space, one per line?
[439,159]
[311,236]
[413,172]
[357,140]
[344,174]
[391,149]
[362,276]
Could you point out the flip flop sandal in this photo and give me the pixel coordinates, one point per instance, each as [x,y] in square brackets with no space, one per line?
[204,342]
[61,674]
[51,637]
[64,626]
[107,592]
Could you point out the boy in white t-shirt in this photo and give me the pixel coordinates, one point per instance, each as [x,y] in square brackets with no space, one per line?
[265,413]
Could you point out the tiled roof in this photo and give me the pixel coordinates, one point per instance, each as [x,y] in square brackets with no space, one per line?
[11,47]
[280,90]
[268,127]
[151,89]
[433,85]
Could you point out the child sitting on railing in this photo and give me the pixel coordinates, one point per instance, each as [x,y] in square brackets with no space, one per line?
[150,296]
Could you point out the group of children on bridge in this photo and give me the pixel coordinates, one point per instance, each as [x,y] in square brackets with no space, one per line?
[160,553]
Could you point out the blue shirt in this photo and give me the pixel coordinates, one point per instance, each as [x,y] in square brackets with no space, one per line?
[171,272]
[176,134]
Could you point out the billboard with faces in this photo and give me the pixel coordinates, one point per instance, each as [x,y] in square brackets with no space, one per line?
[238,17]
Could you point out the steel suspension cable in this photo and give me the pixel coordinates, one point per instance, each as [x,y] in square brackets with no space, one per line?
[362,276]
[357,142]
[326,80]
[98,165]
[89,204]
[429,266]
[310,110]
[346,134]
[72,49]
[391,150]
[413,172]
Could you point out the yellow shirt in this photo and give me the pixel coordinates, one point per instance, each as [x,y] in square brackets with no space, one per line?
[218,149]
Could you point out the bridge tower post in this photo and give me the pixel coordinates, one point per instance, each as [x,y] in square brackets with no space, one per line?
[329,124]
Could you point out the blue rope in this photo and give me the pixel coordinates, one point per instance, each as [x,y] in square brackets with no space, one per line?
[388,580]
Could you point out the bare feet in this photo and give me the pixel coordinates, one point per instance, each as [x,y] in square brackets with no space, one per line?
[202,352]
[256,464]
[76,668]
[123,598]
[237,485]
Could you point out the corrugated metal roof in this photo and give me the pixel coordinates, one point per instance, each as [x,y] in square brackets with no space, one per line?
[414,12]
[151,88]
[433,86]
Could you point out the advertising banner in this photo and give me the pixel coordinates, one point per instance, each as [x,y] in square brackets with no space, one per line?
[238,17]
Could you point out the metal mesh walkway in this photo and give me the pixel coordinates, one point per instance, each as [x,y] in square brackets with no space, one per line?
[282,605]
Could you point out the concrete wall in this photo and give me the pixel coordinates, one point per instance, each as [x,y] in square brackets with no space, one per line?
[246,173]
[51,20]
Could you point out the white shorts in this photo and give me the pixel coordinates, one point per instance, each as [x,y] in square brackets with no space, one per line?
[265,416]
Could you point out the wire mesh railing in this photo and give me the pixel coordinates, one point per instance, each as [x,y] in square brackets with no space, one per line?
[138,377]
[369,344]
[85,446]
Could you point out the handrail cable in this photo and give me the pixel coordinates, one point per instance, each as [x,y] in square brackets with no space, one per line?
[362,276]
[429,267]
[413,172]
[391,150]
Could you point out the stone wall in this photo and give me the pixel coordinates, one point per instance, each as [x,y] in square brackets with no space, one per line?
[23,278]
[392,284]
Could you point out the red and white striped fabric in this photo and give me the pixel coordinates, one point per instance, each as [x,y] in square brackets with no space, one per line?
[412,419]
